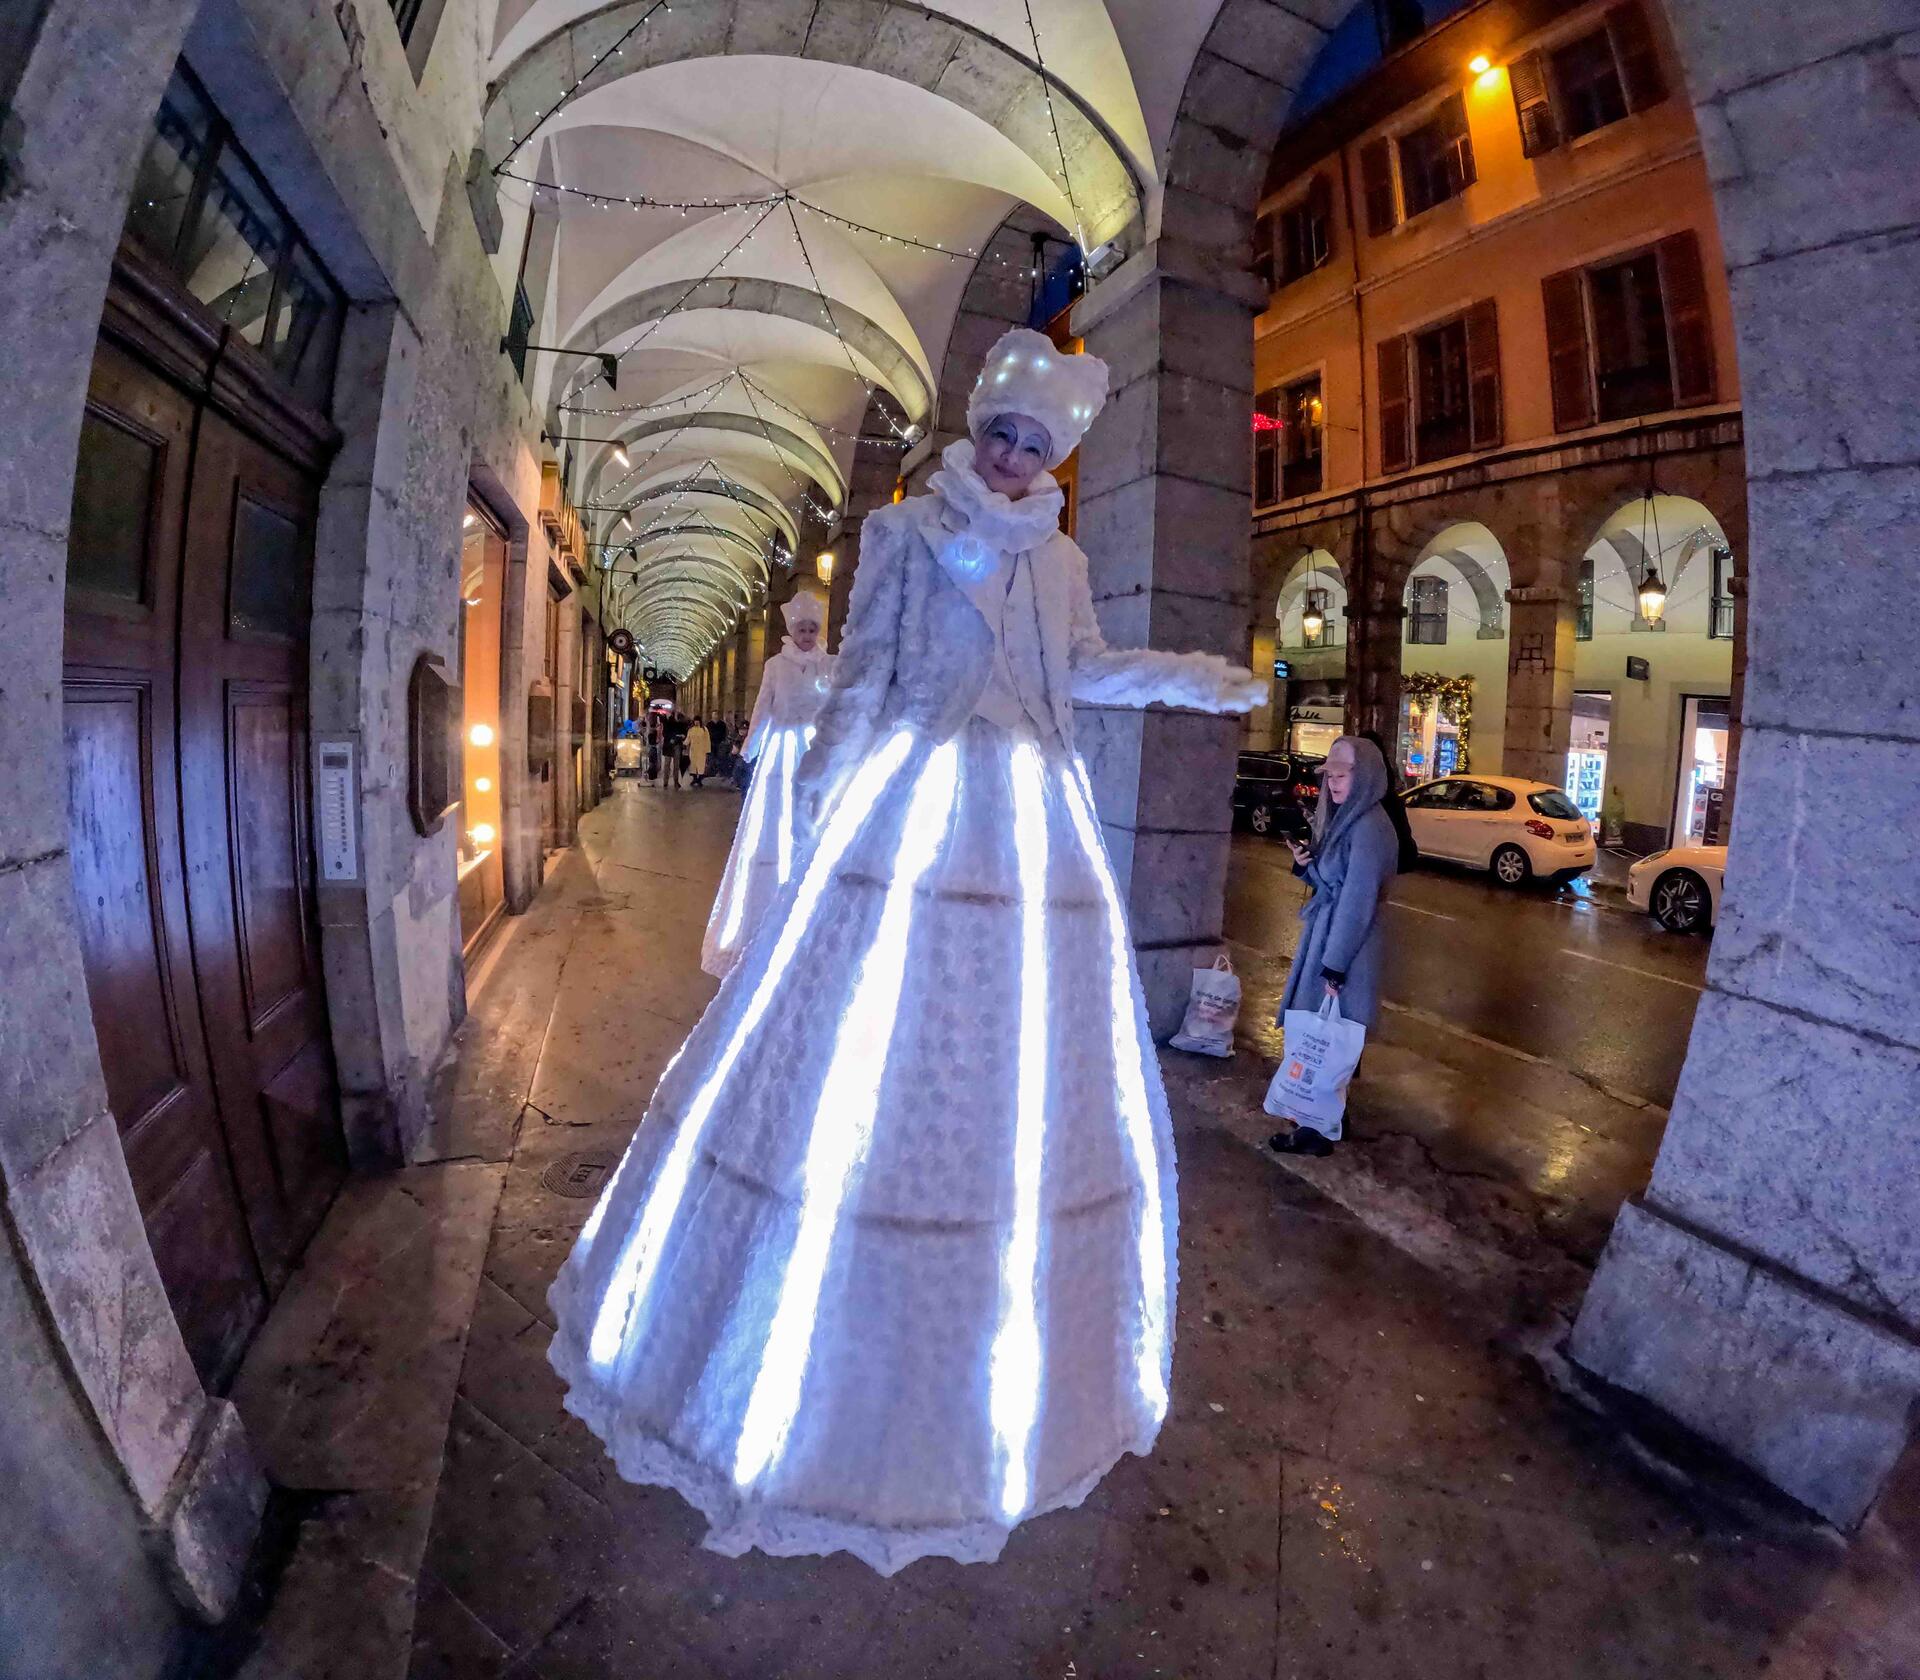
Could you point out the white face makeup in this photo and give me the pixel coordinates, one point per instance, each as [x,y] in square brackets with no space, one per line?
[803,633]
[1011,454]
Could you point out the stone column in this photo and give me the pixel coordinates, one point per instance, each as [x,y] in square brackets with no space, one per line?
[1540,650]
[1374,638]
[1165,486]
[1765,1290]
[755,631]
[564,688]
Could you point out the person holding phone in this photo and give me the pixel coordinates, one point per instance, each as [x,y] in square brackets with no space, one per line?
[1349,859]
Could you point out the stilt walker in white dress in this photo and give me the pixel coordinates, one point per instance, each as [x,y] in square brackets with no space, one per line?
[889,1266]
[793,688]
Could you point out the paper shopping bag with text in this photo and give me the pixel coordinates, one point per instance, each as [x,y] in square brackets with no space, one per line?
[1322,1050]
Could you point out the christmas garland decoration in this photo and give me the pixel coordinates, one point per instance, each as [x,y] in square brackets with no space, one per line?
[1454,696]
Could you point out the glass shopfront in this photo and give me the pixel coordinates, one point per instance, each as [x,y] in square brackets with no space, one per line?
[1587,754]
[1703,766]
[483,565]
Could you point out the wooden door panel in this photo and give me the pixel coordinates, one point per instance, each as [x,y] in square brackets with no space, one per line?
[200,1248]
[261,738]
[301,1108]
[243,679]
[116,872]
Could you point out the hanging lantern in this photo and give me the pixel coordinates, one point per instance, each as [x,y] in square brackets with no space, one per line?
[1653,594]
[1314,619]
[823,567]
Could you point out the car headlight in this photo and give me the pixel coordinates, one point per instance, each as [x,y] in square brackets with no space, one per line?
[1651,859]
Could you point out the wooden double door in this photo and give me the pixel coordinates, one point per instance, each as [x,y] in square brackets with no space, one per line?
[187,754]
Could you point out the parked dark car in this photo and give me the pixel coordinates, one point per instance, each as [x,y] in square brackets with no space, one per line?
[1274,792]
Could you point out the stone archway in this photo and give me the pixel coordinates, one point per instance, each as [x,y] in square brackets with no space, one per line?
[1767,1297]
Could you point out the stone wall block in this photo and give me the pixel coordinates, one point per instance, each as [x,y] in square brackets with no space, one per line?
[215,1515]
[1109,741]
[1729,43]
[1236,99]
[1817,1400]
[1179,885]
[33,569]
[1204,431]
[911,47]
[1266,37]
[1205,333]
[1117,529]
[1217,164]
[87,1244]
[1187,218]
[1774,1124]
[1812,150]
[1198,799]
[1819,920]
[1185,623]
[775,31]
[1819,390]
[1837,657]
[1127,435]
[50,1083]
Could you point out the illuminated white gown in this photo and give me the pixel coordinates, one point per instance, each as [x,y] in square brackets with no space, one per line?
[793,688]
[890,1265]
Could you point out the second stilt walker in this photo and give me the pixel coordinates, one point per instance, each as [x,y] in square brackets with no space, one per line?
[793,688]
[889,1266]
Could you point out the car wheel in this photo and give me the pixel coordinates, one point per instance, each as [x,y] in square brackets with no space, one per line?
[1512,867]
[1680,903]
[1260,820]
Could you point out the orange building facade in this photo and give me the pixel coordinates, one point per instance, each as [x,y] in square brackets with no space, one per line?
[1496,387]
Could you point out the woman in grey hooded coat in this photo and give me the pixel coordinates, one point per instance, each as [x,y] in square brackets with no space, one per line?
[1349,863]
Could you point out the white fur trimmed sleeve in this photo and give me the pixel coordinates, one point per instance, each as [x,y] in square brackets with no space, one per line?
[863,670]
[1136,677]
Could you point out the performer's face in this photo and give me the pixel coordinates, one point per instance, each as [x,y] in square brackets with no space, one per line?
[803,633]
[1011,454]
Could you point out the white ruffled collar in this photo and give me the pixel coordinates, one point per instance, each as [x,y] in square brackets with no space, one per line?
[1013,527]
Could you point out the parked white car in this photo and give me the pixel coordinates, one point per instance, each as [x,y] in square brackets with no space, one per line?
[1517,829]
[1680,887]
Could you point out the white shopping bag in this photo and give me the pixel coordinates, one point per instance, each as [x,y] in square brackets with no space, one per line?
[1322,1050]
[1213,1005]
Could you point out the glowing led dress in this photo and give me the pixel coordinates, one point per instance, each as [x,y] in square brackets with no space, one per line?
[890,1264]
[793,688]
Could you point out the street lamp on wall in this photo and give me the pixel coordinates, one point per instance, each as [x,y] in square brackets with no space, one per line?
[1653,594]
[823,567]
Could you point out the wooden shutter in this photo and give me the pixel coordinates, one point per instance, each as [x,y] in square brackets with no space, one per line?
[1396,407]
[1567,350]
[1683,294]
[1484,422]
[1533,103]
[1638,56]
[1376,183]
[1452,119]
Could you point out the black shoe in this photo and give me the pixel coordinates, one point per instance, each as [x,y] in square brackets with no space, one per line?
[1302,1140]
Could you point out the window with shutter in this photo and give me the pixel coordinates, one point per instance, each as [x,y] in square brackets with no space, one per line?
[1683,290]
[1427,602]
[1632,363]
[1266,447]
[1442,422]
[1303,418]
[1486,424]
[1263,231]
[1302,244]
[1583,604]
[1396,446]
[1533,104]
[1587,89]
[1376,183]
[1637,55]
[1436,159]
[1568,361]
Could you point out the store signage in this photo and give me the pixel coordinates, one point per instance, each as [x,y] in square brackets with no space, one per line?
[1638,669]
[1281,670]
[651,673]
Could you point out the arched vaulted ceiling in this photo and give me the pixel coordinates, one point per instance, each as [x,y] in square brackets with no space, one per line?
[767,211]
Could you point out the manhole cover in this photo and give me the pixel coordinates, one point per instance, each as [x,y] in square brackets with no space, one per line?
[582,1174]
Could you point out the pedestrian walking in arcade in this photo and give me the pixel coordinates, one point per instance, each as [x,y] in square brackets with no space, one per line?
[889,1266]
[699,750]
[673,750]
[793,688]
[1349,861]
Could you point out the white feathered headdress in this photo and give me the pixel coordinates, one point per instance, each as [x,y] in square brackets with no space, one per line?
[806,605]
[1025,374]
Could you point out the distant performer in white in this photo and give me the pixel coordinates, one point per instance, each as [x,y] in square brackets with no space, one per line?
[793,688]
[889,1266]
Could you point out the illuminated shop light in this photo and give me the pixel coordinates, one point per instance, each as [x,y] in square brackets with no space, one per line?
[481,734]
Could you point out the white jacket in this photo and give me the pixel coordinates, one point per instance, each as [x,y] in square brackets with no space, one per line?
[917,651]
[793,688]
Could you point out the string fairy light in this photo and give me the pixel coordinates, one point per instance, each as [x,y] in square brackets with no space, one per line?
[1053,122]
[617,50]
